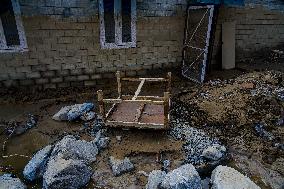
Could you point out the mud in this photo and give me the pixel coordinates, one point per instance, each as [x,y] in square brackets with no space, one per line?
[225,110]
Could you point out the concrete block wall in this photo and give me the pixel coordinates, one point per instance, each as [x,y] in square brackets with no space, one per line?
[258,29]
[64,49]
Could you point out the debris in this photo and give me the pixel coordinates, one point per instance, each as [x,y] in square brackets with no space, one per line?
[97,124]
[142,178]
[279,146]
[214,152]
[68,174]
[259,128]
[99,177]
[71,148]
[88,116]
[196,141]
[71,113]
[120,167]
[155,179]
[118,138]
[183,177]
[8,182]
[36,166]
[280,121]
[32,121]
[102,143]
[224,177]
[166,165]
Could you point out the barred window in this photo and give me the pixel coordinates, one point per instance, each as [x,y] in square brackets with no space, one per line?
[117,23]
[12,37]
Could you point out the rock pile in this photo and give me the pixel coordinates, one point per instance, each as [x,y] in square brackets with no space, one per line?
[199,147]
[186,176]
[65,164]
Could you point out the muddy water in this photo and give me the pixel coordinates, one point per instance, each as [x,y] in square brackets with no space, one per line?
[146,149]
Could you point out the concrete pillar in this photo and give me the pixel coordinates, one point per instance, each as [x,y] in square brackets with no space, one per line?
[228,45]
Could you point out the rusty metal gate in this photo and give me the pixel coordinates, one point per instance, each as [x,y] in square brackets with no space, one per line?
[196,43]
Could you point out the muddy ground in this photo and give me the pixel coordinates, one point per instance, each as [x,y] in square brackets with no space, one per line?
[226,110]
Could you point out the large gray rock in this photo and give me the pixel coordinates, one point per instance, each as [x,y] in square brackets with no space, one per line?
[183,177]
[155,179]
[120,166]
[66,174]
[71,148]
[61,115]
[214,152]
[224,177]
[36,166]
[74,112]
[8,182]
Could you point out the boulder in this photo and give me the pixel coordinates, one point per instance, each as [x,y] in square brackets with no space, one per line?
[224,177]
[214,152]
[120,167]
[182,178]
[8,182]
[73,112]
[71,148]
[155,179]
[61,115]
[66,174]
[36,166]
[78,110]
[102,143]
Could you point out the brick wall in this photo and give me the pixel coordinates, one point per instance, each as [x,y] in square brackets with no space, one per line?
[258,29]
[64,49]
[64,46]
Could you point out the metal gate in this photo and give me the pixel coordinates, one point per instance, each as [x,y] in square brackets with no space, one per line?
[196,43]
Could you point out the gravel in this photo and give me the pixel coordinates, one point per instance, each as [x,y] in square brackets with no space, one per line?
[196,141]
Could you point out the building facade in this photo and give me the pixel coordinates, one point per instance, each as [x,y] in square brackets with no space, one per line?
[62,43]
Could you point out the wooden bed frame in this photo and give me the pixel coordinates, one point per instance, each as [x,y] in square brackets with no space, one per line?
[143,112]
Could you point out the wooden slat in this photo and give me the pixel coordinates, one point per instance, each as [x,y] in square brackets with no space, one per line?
[137,92]
[136,101]
[147,79]
[110,110]
[135,125]
[128,97]
[118,78]
[166,108]
[139,112]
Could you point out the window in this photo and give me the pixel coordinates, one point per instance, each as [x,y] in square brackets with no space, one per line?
[12,36]
[118,23]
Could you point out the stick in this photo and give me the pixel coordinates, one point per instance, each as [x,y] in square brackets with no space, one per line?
[169,87]
[166,109]
[101,103]
[118,78]
[138,89]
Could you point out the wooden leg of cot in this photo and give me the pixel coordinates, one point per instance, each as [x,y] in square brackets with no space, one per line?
[166,109]
[101,103]
[169,77]
[118,78]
